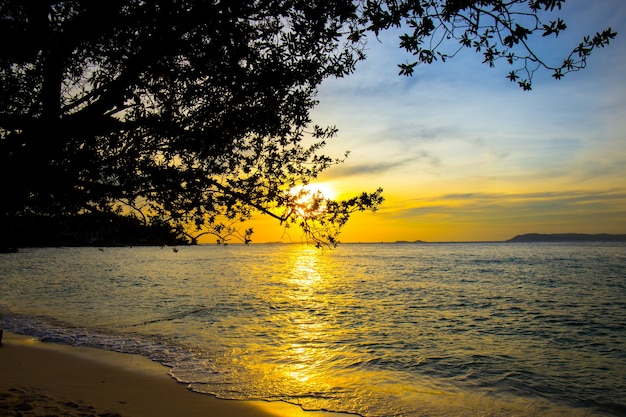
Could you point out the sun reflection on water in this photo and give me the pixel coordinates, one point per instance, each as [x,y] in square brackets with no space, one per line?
[304,266]
[305,328]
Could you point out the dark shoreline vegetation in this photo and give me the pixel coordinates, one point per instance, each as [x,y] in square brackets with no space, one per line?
[92,229]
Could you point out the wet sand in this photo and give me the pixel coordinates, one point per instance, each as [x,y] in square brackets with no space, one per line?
[45,379]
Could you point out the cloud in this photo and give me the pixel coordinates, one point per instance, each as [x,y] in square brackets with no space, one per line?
[483,205]
[346,171]
[382,166]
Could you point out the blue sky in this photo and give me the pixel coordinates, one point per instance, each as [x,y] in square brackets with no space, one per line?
[464,154]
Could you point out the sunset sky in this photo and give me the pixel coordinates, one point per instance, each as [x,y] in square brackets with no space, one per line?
[463,154]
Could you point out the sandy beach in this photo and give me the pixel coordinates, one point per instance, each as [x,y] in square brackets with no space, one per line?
[45,379]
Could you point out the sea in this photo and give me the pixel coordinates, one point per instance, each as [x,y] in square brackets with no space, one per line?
[412,330]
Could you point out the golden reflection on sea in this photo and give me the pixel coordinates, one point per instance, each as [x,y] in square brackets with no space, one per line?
[304,359]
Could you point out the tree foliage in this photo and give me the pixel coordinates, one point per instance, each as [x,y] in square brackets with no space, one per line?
[499,30]
[196,113]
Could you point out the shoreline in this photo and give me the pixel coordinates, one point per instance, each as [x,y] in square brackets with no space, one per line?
[50,379]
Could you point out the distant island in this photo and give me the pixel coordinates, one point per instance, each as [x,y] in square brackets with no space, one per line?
[567,237]
[539,237]
[406,241]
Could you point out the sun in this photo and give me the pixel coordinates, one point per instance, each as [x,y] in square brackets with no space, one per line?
[311,198]
[324,189]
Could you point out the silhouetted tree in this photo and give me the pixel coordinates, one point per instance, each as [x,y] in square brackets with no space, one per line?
[196,113]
